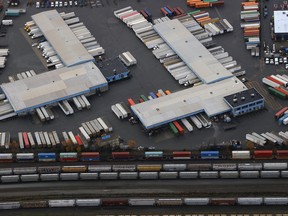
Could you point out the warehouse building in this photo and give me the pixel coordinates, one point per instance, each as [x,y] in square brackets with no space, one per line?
[67,46]
[204,98]
[217,81]
[53,86]
[207,68]
[281,25]
[244,102]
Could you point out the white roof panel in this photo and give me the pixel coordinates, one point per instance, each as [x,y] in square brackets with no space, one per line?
[191,51]
[52,86]
[281,21]
[208,98]
[62,39]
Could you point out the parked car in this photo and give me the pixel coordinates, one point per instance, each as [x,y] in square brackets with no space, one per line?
[265,11]
[37,4]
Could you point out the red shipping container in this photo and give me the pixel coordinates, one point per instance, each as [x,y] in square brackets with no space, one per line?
[182,155]
[274,80]
[263,154]
[179,128]
[282,154]
[26,140]
[131,102]
[120,154]
[78,139]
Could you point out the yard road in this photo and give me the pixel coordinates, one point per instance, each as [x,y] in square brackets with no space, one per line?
[145,188]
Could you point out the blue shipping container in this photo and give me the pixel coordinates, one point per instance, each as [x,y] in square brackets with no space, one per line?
[209,155]
[46,156]
[152,95]
[280,121]
[168,11]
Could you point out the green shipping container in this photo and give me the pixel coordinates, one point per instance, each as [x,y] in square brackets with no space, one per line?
[144,97]
[276,93]
[193,12]
[173,128]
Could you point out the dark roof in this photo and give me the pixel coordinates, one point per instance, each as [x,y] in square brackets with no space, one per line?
[109,67]
[243,97]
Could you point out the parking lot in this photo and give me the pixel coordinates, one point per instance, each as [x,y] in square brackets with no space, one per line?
[148,74]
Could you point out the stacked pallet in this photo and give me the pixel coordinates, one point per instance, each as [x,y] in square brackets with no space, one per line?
[204,3]
[251,26]
[214,26]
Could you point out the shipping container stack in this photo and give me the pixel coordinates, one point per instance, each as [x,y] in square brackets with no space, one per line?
[277,85]
[3,57]
[214,26]
[204,3]
[250,16]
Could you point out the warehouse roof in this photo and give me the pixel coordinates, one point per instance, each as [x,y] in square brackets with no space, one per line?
[178,105]
[67,46]
[191,51]
[243,97]
[53,86]
[281,21]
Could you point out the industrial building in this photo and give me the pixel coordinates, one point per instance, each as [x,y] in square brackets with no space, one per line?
[50,87]
[218,82]
[244,102]
[76,75]
[206,98]
[281,25]
[65,43]
[201,62]
[113,69]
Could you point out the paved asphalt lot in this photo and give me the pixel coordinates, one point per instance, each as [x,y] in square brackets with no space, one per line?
[148,75]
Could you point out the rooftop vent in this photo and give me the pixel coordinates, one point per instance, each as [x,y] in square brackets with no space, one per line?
[235,100]
[252,95]
[242,98]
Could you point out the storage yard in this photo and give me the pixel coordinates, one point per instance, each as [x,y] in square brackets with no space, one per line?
[140,91]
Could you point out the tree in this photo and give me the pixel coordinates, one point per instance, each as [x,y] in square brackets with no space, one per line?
[131,144]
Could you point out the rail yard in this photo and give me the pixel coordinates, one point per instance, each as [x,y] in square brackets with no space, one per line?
[118,107]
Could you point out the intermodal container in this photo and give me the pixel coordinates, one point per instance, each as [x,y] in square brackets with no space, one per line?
[282,154]
[263,154]
[131,102]
[90,156]
[154,154]
[46,157]
[173,128]
[179,128]
[121,155]
[183,155]
[68,156]
[26,140]
[209,155]
[276,93]
[152,95]
[144,98]
[281,112]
